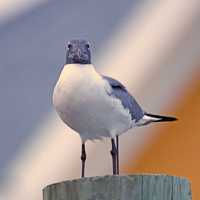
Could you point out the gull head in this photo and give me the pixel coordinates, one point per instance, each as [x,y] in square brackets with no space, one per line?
[78,52]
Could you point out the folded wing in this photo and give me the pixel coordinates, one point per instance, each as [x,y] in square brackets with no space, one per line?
[128,101]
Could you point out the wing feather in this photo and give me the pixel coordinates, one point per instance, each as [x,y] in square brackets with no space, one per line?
[128,101]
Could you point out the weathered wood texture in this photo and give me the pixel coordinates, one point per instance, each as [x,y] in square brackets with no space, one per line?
[132,187]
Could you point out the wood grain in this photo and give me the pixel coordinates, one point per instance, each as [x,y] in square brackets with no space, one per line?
[130,187]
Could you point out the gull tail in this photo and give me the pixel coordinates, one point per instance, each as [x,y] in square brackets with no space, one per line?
[150,118]
[160,118]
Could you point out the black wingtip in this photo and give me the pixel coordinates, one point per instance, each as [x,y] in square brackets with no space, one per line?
[161,118]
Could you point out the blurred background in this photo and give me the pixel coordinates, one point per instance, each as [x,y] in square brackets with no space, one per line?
[152,46]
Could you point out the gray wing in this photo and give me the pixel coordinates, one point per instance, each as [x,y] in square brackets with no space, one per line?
[120,92]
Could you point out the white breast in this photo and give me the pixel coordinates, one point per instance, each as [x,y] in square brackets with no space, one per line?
[81,100]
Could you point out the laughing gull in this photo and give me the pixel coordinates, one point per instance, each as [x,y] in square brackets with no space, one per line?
[94,105]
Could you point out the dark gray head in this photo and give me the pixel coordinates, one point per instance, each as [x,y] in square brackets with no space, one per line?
[78,51]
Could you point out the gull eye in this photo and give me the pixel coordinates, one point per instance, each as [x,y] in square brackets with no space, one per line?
[87,45]
[69,45]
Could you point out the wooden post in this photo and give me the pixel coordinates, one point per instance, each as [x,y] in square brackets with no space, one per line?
[131,187]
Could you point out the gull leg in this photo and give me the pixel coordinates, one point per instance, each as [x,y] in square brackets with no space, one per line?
[83,159]
[117,148]
[114,154]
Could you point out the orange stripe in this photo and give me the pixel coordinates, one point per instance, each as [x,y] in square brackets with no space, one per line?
[176,150]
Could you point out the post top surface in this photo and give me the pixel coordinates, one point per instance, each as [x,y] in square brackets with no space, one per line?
[121,177]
